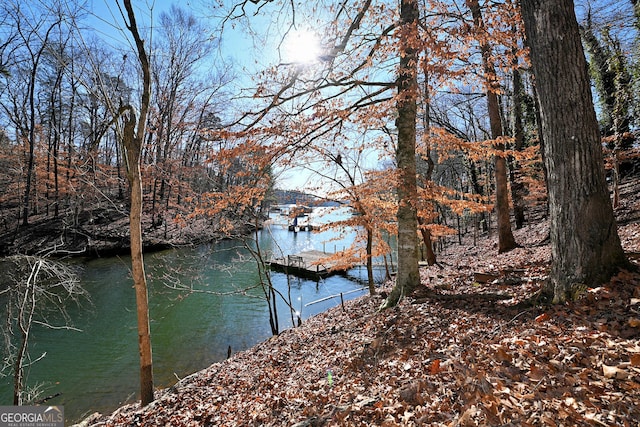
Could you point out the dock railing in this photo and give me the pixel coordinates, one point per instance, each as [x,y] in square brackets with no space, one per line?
[296,261]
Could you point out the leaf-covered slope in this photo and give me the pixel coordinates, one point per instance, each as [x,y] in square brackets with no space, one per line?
[464,351]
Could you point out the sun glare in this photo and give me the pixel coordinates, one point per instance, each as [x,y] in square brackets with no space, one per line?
[302,47]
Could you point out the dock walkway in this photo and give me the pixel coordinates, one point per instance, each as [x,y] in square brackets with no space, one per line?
[310,264]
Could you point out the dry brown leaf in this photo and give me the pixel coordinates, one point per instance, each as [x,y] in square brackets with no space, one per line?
[536,373]
[614,372]
[542,317]
[434,368]
[634,322]
[465,418]
[502,355]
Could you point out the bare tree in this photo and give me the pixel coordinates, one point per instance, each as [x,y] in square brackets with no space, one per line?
[37,291]
[33,35]
[181,94]
[132,138]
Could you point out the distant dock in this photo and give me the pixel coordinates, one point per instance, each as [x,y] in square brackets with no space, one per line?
[311,264]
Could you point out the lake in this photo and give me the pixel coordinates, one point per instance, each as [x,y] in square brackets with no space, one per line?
[203,300]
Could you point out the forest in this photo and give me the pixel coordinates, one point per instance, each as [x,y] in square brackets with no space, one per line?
[203,144]
[140,127]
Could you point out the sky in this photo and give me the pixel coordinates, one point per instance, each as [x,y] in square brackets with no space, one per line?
[251,49]
[245,46]
[237,42]
[254,47]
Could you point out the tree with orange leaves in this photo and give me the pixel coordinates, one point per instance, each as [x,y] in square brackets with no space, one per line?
[365,81]
[369,193]
[342,93]
[506,241]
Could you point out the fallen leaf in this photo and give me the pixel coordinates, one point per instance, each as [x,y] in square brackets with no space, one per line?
[542,317]
[536,373]
[614,372]
[502,355]
[609,371]
[435,367]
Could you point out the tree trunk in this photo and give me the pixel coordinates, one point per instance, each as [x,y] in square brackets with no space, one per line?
[56,124]
[32,144]
[370,279]
[428,245]
[506,241]
[132,142]
[137,263]
[517,186]
[477,188]
[424,231]
[408,276]
[585,246]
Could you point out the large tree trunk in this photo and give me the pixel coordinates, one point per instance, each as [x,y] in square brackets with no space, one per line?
[132,141]
[506,241]
[585,245]
[408,276]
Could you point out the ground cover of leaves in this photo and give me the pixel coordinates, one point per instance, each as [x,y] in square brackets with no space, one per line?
[463,351]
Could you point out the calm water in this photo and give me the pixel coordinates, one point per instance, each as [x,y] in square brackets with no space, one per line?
[97,369]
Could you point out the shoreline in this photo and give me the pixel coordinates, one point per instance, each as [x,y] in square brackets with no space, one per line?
[97,239]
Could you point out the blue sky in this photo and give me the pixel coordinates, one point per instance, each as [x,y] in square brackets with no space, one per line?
[237,43]
[259,49]
[255,47]
[249,48]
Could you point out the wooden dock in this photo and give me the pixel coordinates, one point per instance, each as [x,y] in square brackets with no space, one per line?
[311,264]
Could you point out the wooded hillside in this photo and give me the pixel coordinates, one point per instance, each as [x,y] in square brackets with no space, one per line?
[471,347]
[428,118]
